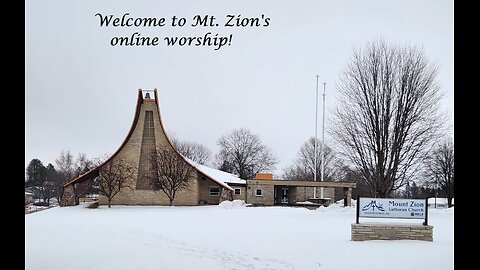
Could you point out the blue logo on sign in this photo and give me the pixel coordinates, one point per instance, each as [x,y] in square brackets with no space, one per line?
[372,205]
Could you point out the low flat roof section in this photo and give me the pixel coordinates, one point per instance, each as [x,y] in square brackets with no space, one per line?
[299,183]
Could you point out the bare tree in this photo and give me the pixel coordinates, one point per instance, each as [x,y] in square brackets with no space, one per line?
[244,154]
[68,169]
[171,173]
[304,166]
[361,189]
[51,179]
[441,170]
[412,191]
[113,177]
[194,151]
[81,166]
[388,113]
[65,164]
[57,186]
[65,169]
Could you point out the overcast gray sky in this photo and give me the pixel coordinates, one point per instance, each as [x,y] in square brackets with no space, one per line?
[80,92]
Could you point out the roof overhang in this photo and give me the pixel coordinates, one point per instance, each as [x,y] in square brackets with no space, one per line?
[300,183]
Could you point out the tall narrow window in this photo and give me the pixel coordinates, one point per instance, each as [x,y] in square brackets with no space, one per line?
[147,148]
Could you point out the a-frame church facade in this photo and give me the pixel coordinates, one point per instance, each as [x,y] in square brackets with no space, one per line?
[146,134]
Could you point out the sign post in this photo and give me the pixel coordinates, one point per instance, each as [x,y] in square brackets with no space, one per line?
[426,212]
[358,208]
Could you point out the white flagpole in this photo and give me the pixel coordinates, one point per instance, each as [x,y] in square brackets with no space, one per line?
[323,142]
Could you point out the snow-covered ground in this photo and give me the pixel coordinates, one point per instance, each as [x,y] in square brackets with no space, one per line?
[228,236]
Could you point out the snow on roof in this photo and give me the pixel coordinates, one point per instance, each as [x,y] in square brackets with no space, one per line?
[221,176]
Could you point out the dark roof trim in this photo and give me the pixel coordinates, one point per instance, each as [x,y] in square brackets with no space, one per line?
[94,172]
[236,184]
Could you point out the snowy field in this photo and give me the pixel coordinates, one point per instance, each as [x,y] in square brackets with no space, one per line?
[229,236]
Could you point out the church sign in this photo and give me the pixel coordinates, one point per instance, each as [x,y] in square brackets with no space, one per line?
[392,208]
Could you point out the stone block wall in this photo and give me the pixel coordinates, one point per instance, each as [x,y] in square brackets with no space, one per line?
[226,195]
[328,193]
[349,197]
[304,193]
[363,232]
[267,197]
[204,196]
[68,197]
[292,195]
[243,195]
[151,197]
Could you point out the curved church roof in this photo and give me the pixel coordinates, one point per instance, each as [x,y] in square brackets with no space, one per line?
[218,176]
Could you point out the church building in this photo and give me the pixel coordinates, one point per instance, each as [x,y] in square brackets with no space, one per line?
[206,186]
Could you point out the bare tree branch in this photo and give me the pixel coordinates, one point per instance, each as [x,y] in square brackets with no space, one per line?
[440,169]
[81,166]
[194,151]
[388,115]
[65,165]
[113,177]
[244,154]
[171,172]
[303,167]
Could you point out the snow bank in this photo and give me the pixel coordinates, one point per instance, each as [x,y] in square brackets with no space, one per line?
[332,208]
[340,202]
[235,204]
